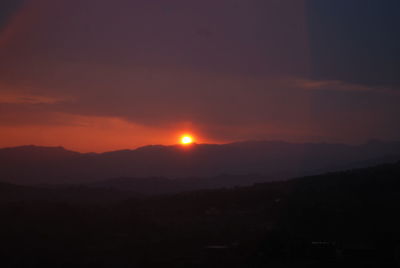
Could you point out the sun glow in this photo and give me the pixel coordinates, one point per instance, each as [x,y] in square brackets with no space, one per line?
[186,140]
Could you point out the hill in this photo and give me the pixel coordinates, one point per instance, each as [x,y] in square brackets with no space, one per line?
[303,222]
[271,160]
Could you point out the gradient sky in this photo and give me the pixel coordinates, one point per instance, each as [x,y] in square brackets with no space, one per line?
[96,75]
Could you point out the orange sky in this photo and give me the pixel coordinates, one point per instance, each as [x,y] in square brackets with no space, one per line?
[97,75]
[94,134]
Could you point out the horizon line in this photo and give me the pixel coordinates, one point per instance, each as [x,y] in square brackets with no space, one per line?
[195,143]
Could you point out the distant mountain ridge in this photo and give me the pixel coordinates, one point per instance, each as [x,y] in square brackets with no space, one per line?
[272,160]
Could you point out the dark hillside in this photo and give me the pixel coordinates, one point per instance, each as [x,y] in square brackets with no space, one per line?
[300,223]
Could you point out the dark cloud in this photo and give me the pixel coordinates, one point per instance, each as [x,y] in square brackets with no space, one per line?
[355,41]
[7,9]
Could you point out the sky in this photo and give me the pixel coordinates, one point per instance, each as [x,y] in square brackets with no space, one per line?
[99,75]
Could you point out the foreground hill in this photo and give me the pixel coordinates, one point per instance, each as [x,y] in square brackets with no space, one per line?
[341,219]
[271,160]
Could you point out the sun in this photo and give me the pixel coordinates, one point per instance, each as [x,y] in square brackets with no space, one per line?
[186,139]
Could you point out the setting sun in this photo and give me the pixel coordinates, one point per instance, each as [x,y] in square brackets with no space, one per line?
[186,139]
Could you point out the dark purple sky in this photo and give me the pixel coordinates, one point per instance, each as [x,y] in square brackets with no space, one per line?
[96,75]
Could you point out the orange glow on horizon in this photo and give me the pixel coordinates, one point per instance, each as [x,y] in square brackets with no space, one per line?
[187,140]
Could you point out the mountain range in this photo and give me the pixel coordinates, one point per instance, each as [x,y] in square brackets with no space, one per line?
[231,164]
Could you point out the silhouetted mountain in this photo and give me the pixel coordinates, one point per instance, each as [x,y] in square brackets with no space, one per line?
[160,185]
[339,219]
[11,193]
[272,160]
